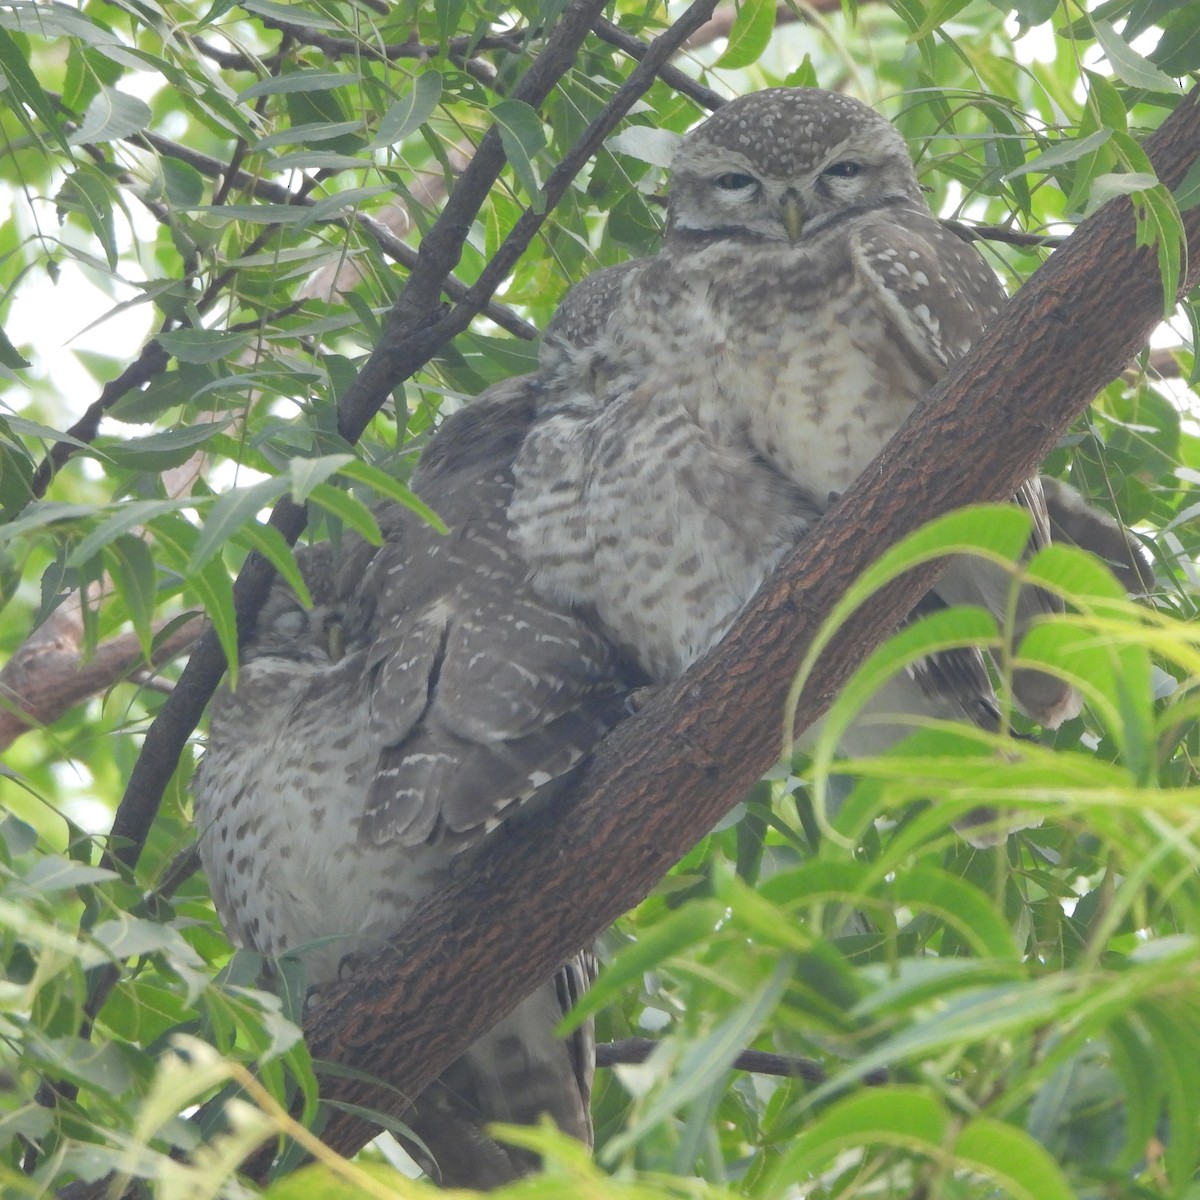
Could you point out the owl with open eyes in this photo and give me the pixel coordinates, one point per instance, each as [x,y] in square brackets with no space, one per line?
[728,388]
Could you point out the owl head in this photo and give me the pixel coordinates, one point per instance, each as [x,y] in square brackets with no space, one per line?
[286,629]
[577,355]
[780,164]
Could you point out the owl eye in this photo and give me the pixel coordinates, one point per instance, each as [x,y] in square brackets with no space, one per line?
[734,181]
[843,170]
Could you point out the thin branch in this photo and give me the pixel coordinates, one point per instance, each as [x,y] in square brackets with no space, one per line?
[227,60]
[514,41]
[152,360]
[1002,233]
[683,83]
[759,1062]
[48,673]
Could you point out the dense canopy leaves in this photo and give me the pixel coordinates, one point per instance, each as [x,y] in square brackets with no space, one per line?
[250,252]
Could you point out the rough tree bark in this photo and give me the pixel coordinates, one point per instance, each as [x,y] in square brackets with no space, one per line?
[662,780]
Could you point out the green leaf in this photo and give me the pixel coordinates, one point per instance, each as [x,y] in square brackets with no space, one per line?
[263,214]
[688,926]
[319,160]
[1162,227]
[646,143]
[215,590]
[24,90]
[299,81]
[1031,13]
[523,138]
[129,937]
[132,568]
[110,116]
[10,356]
[211,584]
[351,512]
[202,345]
[333,206]
[1128,64]
[16,487]
[270,543]
[386,485]
[292,14]
[707,1059]
[125,517]
[1178,49]
[42,513]
[748,37]
[89,192]
[231,512]
[1187,194]
[410,112]
[903,1116]
[183,185]
[959,904]
[1010,1158]
[54,873]
[304,134]
[160,451]
[307,473]
[937,14]
[1064,152]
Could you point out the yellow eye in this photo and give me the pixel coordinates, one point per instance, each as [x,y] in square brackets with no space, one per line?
[844,170]
[734,181]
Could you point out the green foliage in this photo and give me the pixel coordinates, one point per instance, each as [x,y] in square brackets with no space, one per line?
[199,200]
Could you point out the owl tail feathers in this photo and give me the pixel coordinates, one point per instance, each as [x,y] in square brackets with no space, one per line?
[518,1073]
[1045,698]
[457,1153]
[1077,523]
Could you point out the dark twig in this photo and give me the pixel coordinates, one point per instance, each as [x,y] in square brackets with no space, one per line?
[150,362]
[759,1062]
[1003,233]
[227,60]
[683,83]
[513,40]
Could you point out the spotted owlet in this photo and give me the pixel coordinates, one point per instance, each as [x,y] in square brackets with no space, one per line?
[804,299]
[609,518]
[375,739]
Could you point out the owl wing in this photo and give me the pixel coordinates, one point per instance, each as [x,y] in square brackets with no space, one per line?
[934,289]
[480,691]
[1076,522]
[938,294]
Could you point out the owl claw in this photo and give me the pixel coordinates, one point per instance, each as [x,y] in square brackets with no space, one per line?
[640,697]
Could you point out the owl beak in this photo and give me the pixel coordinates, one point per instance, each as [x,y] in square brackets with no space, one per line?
[792,211]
